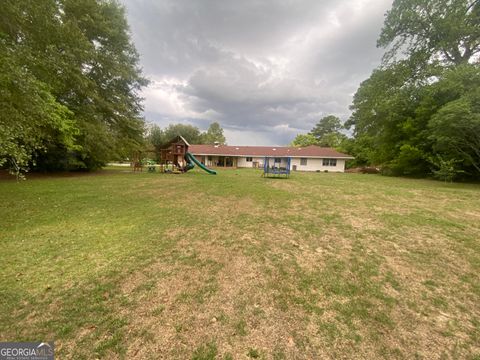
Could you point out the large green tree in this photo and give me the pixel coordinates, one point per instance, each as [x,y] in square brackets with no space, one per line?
[385,120]
[328,131]
[303,140]
[445,30]
[454,128]
[328,124]
[418,110]
[214,134]
[80,53]
[30,117]
[191,133]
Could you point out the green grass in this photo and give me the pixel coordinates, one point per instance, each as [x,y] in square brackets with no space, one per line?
[127,265]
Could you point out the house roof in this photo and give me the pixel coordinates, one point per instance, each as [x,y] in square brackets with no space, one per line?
[277,151]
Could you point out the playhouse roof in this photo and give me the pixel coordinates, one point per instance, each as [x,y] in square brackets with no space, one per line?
[178,138]
[277,151]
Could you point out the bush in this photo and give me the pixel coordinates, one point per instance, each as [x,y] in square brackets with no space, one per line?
[410,161]
[446,169]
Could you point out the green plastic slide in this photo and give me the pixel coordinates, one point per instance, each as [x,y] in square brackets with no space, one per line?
[190,158]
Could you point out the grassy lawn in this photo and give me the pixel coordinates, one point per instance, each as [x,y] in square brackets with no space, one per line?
[234,266]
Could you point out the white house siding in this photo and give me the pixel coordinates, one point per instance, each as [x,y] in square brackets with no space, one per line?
[242,161]
[316,164]
[282,164]
[313,164]
[259,161]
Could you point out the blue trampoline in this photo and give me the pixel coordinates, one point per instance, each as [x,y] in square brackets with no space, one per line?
[276,166]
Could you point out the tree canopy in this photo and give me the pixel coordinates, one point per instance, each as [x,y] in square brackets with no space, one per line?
[327,125]
[303,140]
[445,30]
[214,134]
[326,133]
[454,128]
[70,81]
[159,137]
[418,115]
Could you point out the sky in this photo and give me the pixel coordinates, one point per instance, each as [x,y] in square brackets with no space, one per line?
[266,70]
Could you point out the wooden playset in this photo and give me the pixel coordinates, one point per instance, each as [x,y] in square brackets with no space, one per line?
[175,158]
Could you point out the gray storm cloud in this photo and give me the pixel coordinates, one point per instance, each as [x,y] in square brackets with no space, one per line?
[266,70]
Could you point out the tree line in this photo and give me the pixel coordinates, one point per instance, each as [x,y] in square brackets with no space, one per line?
[159,138]
[70,82]
[418,114]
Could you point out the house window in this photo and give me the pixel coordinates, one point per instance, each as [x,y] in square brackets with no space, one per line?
[278,160]
[209,158]
[303,161]
[329,162]
[249,159]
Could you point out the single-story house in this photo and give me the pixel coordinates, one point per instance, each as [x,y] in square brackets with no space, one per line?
[309,158]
